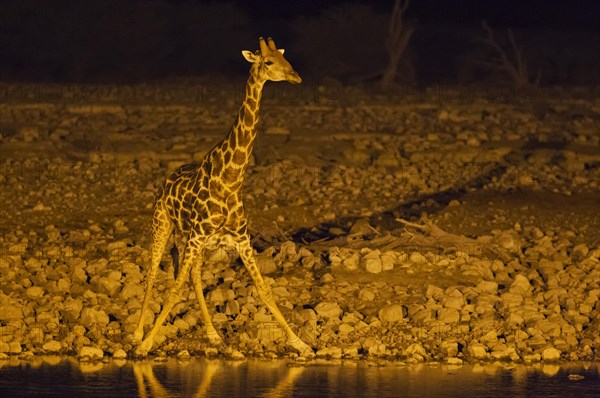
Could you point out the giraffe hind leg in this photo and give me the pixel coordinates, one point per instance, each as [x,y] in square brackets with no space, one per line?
[162,227]
[190,257]
[211,333]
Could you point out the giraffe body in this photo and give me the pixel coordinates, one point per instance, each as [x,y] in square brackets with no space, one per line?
[203,202]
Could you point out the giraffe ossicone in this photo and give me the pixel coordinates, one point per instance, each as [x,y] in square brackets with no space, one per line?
[203,202]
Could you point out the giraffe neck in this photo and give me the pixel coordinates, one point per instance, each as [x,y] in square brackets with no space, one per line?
[238,144]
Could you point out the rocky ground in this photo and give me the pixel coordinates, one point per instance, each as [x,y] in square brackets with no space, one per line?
[334,175]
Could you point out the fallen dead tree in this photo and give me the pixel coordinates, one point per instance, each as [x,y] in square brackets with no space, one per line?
[425,237]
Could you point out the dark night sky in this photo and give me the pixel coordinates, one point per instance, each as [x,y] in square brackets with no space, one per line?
[557,14]
[103,40]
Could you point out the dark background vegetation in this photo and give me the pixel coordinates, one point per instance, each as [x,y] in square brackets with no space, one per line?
[122,41]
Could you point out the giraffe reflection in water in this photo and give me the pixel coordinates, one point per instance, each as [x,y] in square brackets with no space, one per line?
[148,382]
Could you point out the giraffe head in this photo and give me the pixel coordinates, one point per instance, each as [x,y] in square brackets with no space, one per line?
[270,63]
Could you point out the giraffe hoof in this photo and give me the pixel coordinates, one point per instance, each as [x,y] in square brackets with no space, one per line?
[142,349]
[303,349]
[214,339]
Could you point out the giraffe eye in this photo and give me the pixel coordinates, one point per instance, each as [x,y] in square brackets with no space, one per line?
[268,63]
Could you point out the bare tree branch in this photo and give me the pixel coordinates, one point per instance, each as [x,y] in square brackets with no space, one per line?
[399,35]
[515,67]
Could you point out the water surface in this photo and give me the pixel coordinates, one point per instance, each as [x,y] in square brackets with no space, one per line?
[65,377]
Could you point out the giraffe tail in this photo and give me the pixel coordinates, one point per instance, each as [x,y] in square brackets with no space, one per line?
[175,256]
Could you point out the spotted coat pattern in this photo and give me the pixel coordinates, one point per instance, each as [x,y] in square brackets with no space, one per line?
[203,202]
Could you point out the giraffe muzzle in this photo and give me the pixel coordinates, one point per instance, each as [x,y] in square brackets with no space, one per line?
[294,78]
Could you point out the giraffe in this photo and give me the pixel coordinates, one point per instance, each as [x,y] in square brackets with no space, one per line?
[203,202]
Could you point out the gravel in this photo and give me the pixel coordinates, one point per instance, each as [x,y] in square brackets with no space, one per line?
[76,230]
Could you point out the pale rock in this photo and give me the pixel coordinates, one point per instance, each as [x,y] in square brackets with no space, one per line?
[511,300]
[115,275]
[220,295]
[586,308]
[63,285]
[15,347]
[422,315]
[236,355]
[308,315]
[373,265]
[132,290]
[91,353]
[90,316]
[449,348]
[361,325]
[181,325]
[502,352]
[448,315]
[370,342]
[549,268]
[520,285]
[377,350]
[453,302]
[52,346]
[415,349]
[535,357]
[330,352]
[328,310]
[549,328]
[515,319]
[490,287]
[11,312]
[265,261]
[580,252]
[34,292]
[417,258]
[109,286]
[219,318]
[477,350]
[232,307]
[391,313]
[387,261]
[117,246]
[345,328]
[366,295]
[352,262]
[71,309]
[350,352]
[550,354]
[78,275]
[490,338]
[280,291]
[183,354]
[454,361]
[435,292]
[120,354]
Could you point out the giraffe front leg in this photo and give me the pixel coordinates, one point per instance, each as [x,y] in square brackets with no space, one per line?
[211,333]
[190,257]
[247,255]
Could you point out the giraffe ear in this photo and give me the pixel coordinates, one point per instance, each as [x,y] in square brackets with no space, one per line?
[249,55]
[281,50]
